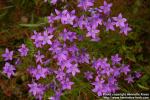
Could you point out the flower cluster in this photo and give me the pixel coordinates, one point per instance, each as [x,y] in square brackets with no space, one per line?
[108,73]
[60,43]
[9,69]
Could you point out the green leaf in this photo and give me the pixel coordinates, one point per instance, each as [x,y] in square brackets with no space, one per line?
[142,87]
[32,25]
[131,56]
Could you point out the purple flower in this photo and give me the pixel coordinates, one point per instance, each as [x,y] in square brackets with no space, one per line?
[65,63]
[129,79]
[9,69]
[80,22]
[101,63]
[60,75]
[115,59]
[55,47]
[46,38]
[116,71]
[84,58]
[106,7]
[39,57]
[93,21]
[36,38]
[37,90]
[125,69]
[88,75]
[23,50]
[125,29]
[138,74]
[39,72]
[60,14]
[120,21]
[7,55]
[51,18]
[49,29]
[112,80]
[65,16]
[68,19]
[73,69]
[61,55]
[85,4]
[67,35]
[98,84]
[73,49]
[92,32]
[107,71]
[109,25]
[66,84]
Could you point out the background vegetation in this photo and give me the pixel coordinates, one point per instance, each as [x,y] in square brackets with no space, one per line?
[18,19]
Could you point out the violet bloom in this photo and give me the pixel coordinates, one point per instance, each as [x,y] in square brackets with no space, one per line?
[65,63]
[9,69]
[60,74]
[107,71]
[64,34]
[120,21]
[49,29]
[95,20]
[39,72]
[46,38]
[73,69]
[129,79]
[88,75]
[98,86]
[125,29]
[100,63]
[68,19]
[67,35]
[116,71]
[36,38]
[92,32]
[66,84]
[73,49]
[7,55]
[51,18]
[61,55]
[84,58]
[138,74]
[72,36]
[115,59]
[39,57]
[106,7]
[23,50]
[125,69]
[109,25]
[60,14]
[112,80]
[37,90]
[80,22]
[85,4]
[55,47]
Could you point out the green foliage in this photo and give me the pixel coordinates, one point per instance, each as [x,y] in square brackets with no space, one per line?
[19,18]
